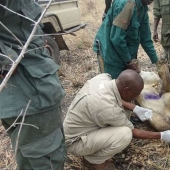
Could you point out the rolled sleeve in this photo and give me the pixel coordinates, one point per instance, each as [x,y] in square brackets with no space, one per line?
[156,9]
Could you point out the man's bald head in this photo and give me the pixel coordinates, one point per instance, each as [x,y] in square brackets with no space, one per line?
[129,84]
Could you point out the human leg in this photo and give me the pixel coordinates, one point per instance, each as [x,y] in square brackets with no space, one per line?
[167,53]
[42,148]
[102,144]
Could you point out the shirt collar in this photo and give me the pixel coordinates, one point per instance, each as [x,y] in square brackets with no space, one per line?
[117,94]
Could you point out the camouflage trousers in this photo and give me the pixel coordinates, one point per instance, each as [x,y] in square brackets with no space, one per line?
[41,147]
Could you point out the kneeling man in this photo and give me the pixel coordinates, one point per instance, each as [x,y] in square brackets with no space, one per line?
[97,124]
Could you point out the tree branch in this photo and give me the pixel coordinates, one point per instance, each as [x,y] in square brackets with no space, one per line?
[7,57]
[23,119]
[11,33]
[17,13]
[24,47]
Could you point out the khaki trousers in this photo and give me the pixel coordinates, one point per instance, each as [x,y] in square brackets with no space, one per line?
[102,144]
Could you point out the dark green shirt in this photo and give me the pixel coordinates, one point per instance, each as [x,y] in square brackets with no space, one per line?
[35,78]
[119,45]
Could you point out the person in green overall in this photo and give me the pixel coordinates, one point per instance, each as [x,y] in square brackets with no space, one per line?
[125,27]
[41,144]
[161,10]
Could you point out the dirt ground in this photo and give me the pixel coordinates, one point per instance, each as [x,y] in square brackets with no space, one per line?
[80,64]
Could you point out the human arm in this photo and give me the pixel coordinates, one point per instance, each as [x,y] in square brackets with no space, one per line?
[157,16]
[128,105]
[122,14]
[146,41]
[120,32]
[143,113]
[118,39]
[143,134]
[107,4]
[155,33]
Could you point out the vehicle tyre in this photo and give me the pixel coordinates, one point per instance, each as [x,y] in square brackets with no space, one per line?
[53,49]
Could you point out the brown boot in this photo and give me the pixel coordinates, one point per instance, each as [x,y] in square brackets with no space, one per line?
[104,166]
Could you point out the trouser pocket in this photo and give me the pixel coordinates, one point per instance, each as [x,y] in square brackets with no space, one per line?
[48,153]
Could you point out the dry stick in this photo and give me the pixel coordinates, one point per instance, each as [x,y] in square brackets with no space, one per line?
[24,47]
[14,122]
[23,119]
[7,57]
[43,35]
[27,124]
[17,13]
[36,48]
[11,33]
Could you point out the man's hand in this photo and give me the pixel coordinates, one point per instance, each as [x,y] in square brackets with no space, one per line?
[134,65]
[103,17]
[143,113]
[165,136]
[155,36]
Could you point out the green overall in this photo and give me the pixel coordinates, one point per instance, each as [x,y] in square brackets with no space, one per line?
[125,27]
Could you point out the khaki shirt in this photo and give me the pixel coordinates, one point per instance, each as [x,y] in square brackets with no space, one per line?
[161,9]
[98,104]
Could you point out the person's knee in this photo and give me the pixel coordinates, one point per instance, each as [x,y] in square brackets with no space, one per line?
[123,139]
[126,136]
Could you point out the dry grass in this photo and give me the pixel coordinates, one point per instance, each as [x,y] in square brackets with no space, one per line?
[80,64]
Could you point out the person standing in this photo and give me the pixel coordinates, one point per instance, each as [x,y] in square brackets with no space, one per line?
[124,28]
[161,10]
[41,144]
